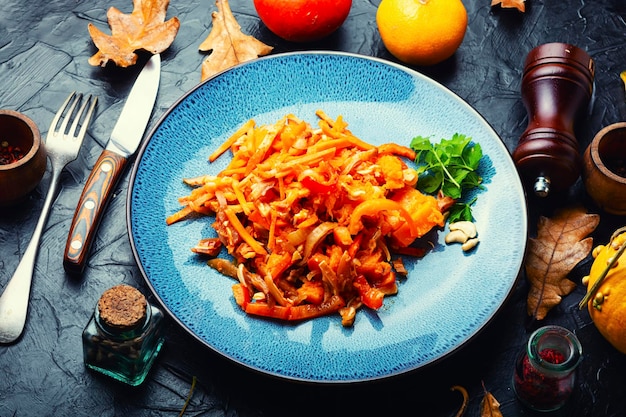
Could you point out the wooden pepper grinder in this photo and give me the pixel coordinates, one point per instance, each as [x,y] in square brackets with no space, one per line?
[557,86]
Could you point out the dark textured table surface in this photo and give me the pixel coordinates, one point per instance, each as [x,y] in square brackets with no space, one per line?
[44,47]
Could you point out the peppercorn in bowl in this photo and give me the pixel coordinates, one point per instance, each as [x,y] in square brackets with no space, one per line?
[23,157]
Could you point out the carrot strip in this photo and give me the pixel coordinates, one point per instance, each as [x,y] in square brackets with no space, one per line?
[344,141]
[281,188]
[247,237]
[241,198]
[233,172]
[338,125]
[395,149]
[309,159]
[231,140]
[322,115]
[359,143]
[271,239]
[198,181]
[199,202]
[179,215]
[312,220]
[261,150]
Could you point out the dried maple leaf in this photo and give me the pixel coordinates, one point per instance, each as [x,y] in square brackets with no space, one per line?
[145,28]
[229,44]
[555,251]
[489,406]
[509,4]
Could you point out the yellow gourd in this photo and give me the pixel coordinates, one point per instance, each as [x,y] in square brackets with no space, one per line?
[607,304]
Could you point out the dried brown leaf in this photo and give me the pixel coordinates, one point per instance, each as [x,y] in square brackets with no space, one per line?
[510,4]
[489,406]
[560,245]
[229,45]
[144,29]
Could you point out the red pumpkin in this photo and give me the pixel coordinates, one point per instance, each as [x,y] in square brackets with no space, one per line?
[303,20]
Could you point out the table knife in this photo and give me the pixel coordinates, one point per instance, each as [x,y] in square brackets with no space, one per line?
[123,143]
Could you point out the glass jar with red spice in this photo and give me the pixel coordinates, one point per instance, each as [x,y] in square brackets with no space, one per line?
[545,370]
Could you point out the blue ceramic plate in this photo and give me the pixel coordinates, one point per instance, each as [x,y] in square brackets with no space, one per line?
[448,297]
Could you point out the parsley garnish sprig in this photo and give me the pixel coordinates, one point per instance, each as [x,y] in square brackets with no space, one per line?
[450,166]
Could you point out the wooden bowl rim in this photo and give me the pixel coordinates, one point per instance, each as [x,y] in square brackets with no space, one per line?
[596,159]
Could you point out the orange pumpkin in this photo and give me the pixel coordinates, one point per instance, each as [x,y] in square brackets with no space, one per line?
[607,306]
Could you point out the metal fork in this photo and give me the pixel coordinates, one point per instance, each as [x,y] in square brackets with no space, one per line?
[62,147]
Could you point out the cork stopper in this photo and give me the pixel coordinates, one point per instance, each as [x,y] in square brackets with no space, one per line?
[122,307]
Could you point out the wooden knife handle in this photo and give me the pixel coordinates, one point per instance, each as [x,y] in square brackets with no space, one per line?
[93,201]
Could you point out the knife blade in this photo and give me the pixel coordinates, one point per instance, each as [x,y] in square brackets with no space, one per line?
[122,144]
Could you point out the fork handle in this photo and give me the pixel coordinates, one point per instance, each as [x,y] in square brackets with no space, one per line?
[15,297]
[91,205]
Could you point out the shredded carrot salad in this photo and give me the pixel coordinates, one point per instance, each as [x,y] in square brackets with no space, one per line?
[311,218]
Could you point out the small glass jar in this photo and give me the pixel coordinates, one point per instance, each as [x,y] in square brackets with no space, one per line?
[544,372]
[123,336]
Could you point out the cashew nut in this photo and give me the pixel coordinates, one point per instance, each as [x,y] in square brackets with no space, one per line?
[456,236]
[466,227]
[470,244]
[463,232]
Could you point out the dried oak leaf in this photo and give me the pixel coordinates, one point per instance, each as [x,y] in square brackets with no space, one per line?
[489,406]
[555,251]
[229,45]
[510,4]
[145,28]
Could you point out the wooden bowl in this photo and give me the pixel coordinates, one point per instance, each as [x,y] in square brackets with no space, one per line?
[19,177]
[604,170]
